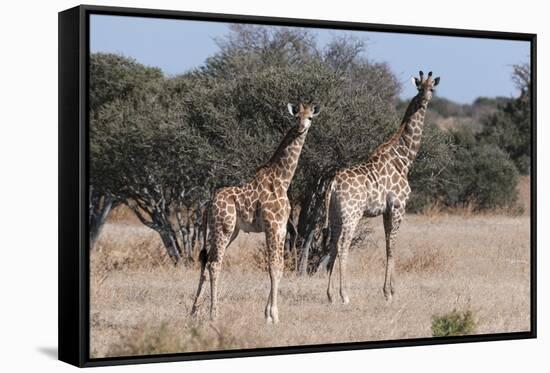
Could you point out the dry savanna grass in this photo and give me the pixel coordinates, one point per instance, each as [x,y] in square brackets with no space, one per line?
[140,303]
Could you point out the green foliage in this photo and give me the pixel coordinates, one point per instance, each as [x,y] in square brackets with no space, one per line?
[510,127]
[242,92]
[453,324]
[484,174]
[174,140]
[447,108]
[114,77]
[476,173]
[429,179]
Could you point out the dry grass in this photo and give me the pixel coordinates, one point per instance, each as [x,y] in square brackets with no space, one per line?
[140,303]
[524,194]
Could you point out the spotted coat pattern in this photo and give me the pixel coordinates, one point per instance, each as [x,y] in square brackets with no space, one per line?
[259,206]
[376,187]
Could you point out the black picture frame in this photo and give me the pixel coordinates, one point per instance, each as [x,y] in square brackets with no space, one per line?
[73,248]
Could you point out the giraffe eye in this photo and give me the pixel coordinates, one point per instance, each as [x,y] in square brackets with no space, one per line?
[310,118]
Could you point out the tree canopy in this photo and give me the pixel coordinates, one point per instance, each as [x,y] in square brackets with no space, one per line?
[162,144]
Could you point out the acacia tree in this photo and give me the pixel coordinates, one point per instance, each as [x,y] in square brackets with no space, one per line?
[163,145]
[112,79]
[158,161]
[257,71]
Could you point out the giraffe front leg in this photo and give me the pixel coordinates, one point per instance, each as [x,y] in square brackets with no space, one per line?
[268,318]
[214,270]
[392,220]
[275,252]
[342,260]
[343,250]
[276,272]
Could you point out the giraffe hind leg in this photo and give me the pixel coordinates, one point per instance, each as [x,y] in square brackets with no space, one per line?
[203,257]
[205,264]
[335,233]
[224,235]
[330,268]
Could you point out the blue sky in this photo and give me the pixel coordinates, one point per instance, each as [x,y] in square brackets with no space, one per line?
[469,67]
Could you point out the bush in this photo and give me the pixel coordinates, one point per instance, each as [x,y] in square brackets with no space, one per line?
[429,178]
[164,143]
[476,174]
[453,323]
[510,127]
[483,174]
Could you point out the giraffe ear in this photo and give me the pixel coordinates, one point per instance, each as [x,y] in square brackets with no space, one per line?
[292,109]
[415,81]
[316,110]
[436,81]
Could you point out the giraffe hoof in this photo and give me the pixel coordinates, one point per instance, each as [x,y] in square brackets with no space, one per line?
[269,320]
[345,300]
[388,296]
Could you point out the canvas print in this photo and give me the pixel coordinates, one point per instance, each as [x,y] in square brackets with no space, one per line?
[258,186]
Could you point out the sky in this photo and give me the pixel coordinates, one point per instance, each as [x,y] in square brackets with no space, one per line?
[468,67]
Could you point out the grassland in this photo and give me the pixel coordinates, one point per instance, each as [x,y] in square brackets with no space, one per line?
[140,303]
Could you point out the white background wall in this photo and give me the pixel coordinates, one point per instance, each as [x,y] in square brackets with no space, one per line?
[28,182]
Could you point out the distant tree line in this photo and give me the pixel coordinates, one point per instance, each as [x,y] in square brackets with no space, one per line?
[162,145]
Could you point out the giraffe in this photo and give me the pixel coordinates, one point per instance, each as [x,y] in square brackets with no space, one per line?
[376,187]
[259,206]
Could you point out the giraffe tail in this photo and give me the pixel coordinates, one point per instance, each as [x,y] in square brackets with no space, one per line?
[326,227]
[328,196]
[203,255]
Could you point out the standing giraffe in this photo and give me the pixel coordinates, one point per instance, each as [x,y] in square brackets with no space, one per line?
[378,186]
[259,206]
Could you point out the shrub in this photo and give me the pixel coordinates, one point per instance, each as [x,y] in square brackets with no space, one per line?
[483,174]
[453,323]
[429,178]
[510,126]
[165,340]
[475,174]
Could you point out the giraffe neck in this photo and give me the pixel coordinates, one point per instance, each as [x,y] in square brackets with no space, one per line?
[409,134]
[285,160]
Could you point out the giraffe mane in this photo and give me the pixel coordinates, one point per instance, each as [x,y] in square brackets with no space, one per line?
[411,108]
[290,136]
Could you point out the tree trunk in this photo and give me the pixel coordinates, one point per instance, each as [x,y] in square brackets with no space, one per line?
[157,217]
[100,206]
[168,237]
[167,233]
[311,233]
[304,259]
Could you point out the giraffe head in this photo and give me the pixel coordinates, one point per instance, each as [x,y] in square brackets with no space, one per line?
[303,114]
[425,86]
